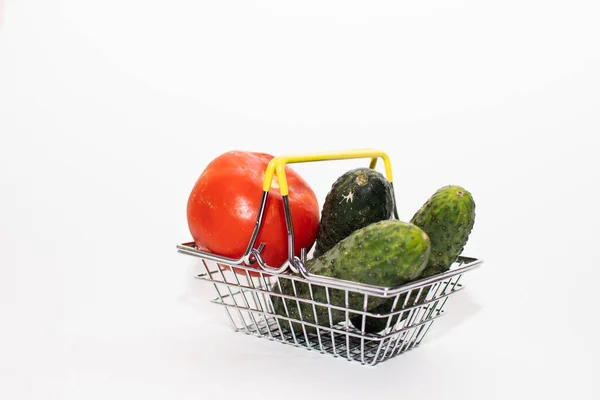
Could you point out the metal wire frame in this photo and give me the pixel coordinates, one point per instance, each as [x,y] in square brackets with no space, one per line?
[249,300]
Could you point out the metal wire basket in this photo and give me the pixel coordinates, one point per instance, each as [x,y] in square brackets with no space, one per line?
[290,305]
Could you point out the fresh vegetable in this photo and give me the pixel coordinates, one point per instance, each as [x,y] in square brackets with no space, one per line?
[223,207]
[377,324]
[356,199]
[385,253]
[447,217]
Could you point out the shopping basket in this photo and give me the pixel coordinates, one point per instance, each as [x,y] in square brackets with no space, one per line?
[248,289]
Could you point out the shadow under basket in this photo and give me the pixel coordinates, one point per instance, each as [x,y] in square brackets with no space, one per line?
[339,318]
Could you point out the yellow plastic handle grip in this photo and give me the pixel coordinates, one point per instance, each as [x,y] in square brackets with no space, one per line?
[277,164]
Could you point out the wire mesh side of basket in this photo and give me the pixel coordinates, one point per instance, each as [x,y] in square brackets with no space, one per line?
[293,310]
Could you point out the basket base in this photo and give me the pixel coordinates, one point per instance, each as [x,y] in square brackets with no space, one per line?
[343,341]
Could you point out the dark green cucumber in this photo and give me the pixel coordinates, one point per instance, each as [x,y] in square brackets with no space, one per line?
[447,217]
[356,199]
[377,324]
[387,253]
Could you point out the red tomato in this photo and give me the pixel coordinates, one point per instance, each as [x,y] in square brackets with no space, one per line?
[223,207]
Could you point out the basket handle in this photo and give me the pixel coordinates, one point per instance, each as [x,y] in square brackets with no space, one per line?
[277,164]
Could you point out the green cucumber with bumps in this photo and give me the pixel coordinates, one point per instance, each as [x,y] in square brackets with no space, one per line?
[447,217]
[386,253]
[359,197]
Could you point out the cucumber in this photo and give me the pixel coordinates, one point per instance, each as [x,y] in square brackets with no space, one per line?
[386,253]
[448,217]
[356,199]
[375,325]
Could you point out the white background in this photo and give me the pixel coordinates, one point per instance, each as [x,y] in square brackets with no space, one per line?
[110,110]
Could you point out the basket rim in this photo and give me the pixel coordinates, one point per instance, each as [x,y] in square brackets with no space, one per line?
[460,266]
